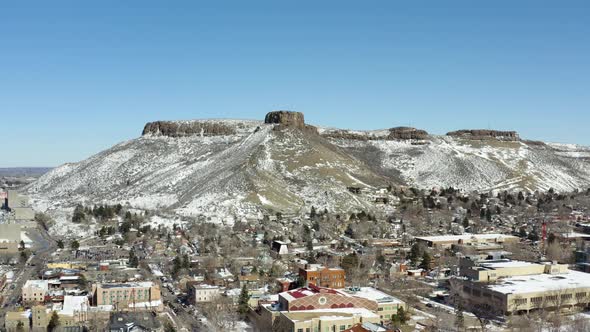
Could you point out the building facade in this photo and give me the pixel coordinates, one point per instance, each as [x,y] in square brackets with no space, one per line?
[128,296]
[35,291]
[321,276]
[515,287]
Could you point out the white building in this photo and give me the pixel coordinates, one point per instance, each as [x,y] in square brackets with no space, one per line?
[204,293]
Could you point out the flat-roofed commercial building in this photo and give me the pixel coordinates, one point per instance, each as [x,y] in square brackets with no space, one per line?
[128,296]
[518,287]
[447,241]
[320,309]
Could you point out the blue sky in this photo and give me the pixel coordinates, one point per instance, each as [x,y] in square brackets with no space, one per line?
[76,78]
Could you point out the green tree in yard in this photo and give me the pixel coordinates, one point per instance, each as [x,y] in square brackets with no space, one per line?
[349,262]
[22,245]
[20,326]
[426,261]
[24,256]
[243,306]
[60,244]
[186,262]
[176,266]
[415,252]
[168,327]
[402,316]
[75,245]
[53,322]
[133,260]
[465,222]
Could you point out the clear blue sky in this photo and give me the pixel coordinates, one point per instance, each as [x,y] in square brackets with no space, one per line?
[76,78]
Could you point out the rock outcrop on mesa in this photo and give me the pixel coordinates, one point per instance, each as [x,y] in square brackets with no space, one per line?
[397,133]
[286,118]
[482,134]
[183,129]
[289,119]
[407,133]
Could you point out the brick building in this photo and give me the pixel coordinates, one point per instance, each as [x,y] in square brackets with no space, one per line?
[322,276]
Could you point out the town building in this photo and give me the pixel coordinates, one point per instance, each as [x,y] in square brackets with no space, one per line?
[513,287]
[35,291]
[322,276]
[128,296]
[10,237]
[447,241]
[17,321]
[134,321]
[326,309]
[203,293]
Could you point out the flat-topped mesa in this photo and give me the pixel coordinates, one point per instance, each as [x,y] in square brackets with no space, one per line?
[288,119]
[482,134]
[397,133]
[407,133]
[183,129]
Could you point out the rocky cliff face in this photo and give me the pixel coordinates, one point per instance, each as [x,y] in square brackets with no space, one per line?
[481,134]
[289,119]
[397,133]
[286,118]
[183,129]
[407,133]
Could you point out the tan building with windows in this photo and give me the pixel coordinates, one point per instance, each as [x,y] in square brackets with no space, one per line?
[17,321]
[35,291]
[128,296]
[447,241]
[512,287]
[204,293]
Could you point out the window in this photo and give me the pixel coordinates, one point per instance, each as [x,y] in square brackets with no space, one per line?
[536,300]
[520,301]
[342,327]
[566,297]
[299,330]
[580,295]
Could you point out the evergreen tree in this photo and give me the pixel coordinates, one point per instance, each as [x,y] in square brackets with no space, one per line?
[312,213]
[79,215]
[133,260]
[243,306]
[53,322]
[415,253]
[186,262]
[426,261]
[60,244]
[74,245]
[466,222]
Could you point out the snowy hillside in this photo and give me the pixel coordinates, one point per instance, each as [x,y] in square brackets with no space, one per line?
[221,170]
[443,161]
[227,176]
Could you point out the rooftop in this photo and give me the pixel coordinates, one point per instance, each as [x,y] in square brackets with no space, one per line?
[42,284]
[144,284]
[465,237]
[369,293]
[542,283]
